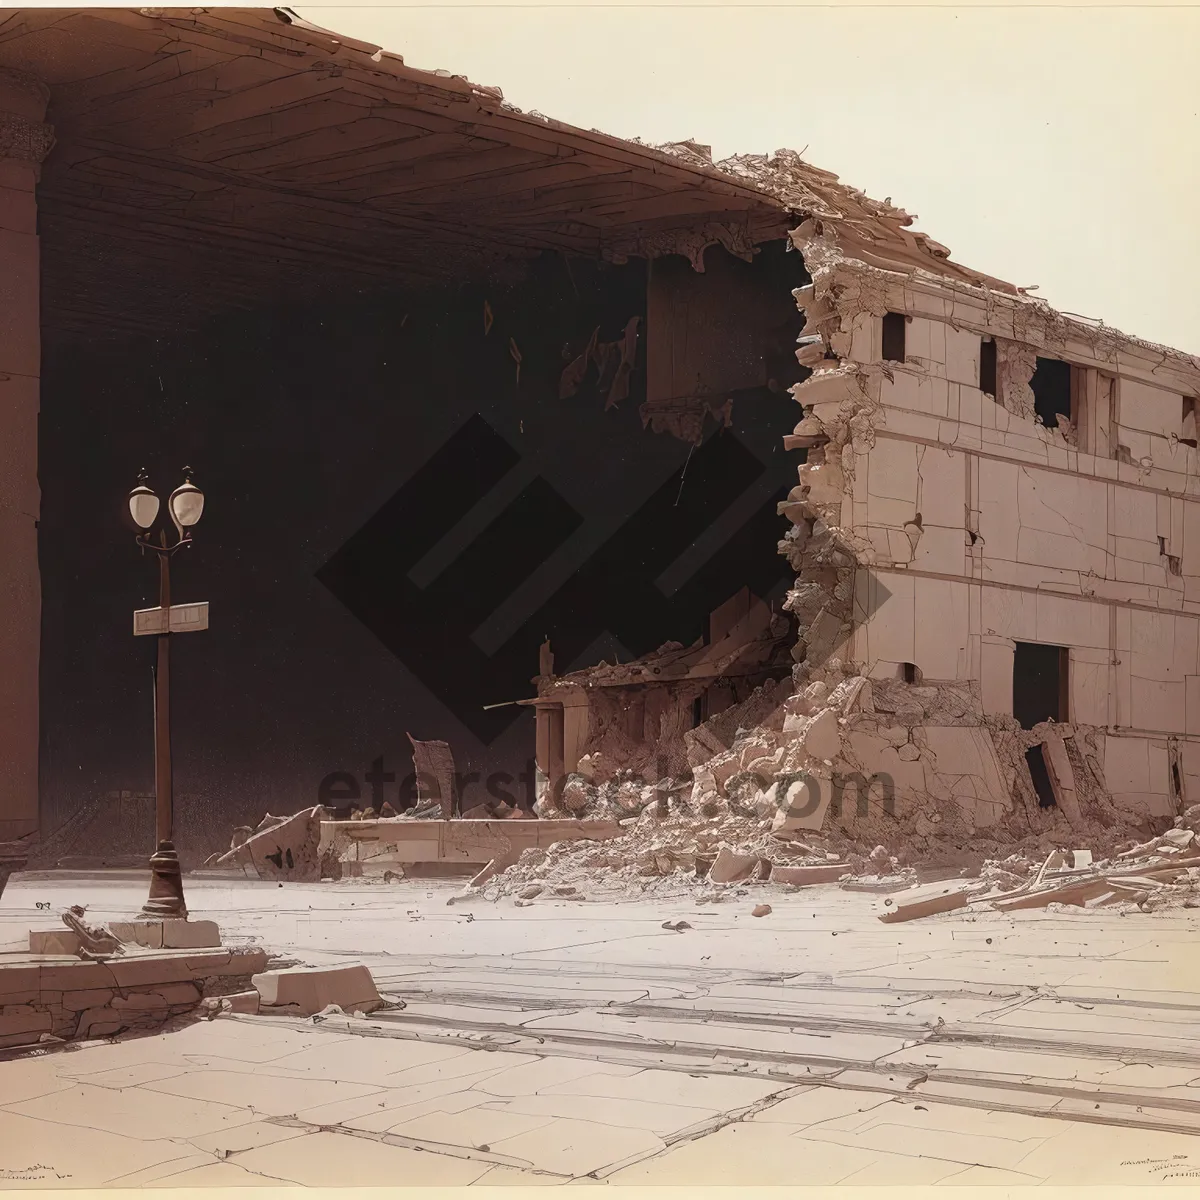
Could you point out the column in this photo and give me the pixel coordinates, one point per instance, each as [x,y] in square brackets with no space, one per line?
[24,142]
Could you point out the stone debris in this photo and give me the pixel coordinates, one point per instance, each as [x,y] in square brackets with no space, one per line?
[304,991]
[282,848]
[761,910]
[923,902]
[93,941]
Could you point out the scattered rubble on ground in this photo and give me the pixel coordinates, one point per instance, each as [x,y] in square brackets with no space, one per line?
[823,777]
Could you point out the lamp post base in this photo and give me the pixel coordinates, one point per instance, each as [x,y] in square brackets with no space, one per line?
[166,885]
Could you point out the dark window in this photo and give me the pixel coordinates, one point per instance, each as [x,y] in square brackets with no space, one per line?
[909,673]
[1051,384]
[1187,434]
[893,337]
[697,711]
[1039,683]
[1038,772]
[987,366]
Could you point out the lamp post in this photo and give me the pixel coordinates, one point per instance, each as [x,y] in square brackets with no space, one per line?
[185,505]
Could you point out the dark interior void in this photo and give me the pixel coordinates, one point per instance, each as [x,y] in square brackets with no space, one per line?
[1051,384]
[894,329]
[1035,757]
[400,509]
[987,366]
[1039,683]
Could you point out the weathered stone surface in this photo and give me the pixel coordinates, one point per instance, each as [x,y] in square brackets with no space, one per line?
[53,941]
[730,866]
[822,737]
[100,1022]
[287,850]
[69,977]
[88,998]
[804,876]
[167,935]
[23,1018]
[160,997]
[307,990]
[143,971]
[241,1002]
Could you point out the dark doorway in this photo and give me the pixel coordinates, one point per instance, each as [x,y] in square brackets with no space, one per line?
[987,367]
[1051,384]
[893,337]
[1038,772]
[1039,683]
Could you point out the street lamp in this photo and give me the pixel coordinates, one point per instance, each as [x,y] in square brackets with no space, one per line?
[185,505]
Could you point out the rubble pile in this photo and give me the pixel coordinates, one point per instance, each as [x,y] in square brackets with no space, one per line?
[1161,873]
[671,855]
[831,767]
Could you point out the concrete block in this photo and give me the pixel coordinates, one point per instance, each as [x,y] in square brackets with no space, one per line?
[1149,408]
[822,737]
[168,995]
[167,935]
[730,866]
[287,851]
[88,998]
[146,970]
[805,876]
[19,984]
[54,941]
[1062,778]
[149,970]
[23,1019]
[71,977]
[803,806]
[962,356]
[920,902]
[241,1002]
[307,990]
[100,1022]
[139,1002]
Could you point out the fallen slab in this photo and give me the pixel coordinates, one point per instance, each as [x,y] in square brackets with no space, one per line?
[1070,893]
[805,876]
[924,902]
[729,866]
[285,851]
[303,991]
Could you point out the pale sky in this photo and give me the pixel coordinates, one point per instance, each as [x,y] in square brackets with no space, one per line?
[1050,146]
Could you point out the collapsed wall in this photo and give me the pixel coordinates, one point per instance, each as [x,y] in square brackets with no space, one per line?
[897,726]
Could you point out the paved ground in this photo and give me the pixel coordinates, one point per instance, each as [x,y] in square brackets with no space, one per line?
[572,1041]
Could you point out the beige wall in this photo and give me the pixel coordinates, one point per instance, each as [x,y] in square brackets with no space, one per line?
[23,142]
[1098,552]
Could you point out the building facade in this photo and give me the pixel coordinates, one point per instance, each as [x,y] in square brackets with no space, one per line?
[1016,494]
[458,379]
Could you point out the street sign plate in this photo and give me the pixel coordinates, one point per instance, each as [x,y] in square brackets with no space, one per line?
[185,618]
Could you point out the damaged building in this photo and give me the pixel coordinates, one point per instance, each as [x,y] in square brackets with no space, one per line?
[791,513]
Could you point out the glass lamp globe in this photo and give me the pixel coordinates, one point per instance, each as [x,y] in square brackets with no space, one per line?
[143,506]
[186,502]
